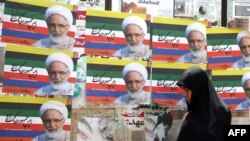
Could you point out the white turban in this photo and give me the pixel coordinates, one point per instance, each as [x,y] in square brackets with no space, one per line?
[245,77]
[241,35]
[196,27]
[135,67]
[60,57]
[134,20]
[65,12]
[56,105]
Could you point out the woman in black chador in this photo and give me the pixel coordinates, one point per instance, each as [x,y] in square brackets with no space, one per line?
[207,114]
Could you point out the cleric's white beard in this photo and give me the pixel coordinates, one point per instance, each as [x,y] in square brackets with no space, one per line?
[135,48]
[199,54]
[246,57]
[134,95]
[59,133]
[65,86]
[58,40]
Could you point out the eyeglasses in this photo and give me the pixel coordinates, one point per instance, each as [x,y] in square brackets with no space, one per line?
[247,90]
[135,81]
[57,25]
[197,41]
[137,35]
[58,73]
[53,120]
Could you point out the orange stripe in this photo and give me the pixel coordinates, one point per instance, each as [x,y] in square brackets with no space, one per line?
[115,40]
[33,127]
[14,40]
[19,90]
[166,89]
[166,102]
[232,106]
[16,138]
[220,65]
[39,30]
[39,78]
[23,27]
[232,95]
[168,58]
[120,88]
[101,52]
[95,86]
[220,53]
[18,76]
[170,45]
[102,100]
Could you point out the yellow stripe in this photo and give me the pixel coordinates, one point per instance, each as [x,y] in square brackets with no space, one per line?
[229,72]
[112,61]
[110,14]
[24,99]
[42,3]
[35,50]
[220,30]
[176,65]
[175,21]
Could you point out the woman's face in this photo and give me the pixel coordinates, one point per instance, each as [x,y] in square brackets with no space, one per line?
[187,93]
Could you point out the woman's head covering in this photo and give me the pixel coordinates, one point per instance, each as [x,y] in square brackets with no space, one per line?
[196,27]
[135,20]
[207,113]
[60,57]
[241,35]
[135,67]
[56,105]
[245,77]
[57,9]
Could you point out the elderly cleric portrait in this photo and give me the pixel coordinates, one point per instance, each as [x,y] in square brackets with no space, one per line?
[59,67]
[197,41]
[135,76]
[243,40]
[53,115]
[134,29]
[245,82]
[58,20]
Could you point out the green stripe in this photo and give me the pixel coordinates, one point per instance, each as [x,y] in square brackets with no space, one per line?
[169,32]
[104,73]
[158,26]
[105,26]
[221,42]
[103,20]
[226,83]
[222,36]
[227,77]
[20,112]
[167,77]
[28,11]
[23,13]
[167,71]
[18,62]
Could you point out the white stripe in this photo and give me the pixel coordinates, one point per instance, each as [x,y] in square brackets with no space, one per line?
[118,81]
[118,34]
[222,48]
[39,23]
[163,83]
[35,120]
[229,90]
[168,39]
[41,71]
